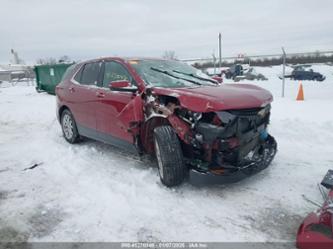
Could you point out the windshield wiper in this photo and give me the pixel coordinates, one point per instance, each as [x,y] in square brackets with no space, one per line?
[174,76]
[195,76]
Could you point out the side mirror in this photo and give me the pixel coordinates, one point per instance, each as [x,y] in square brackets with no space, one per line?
[119,84]
[218,79]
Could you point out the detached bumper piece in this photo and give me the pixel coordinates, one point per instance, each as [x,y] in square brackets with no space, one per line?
[231,174]
[316,231]
[312,234]
[327,182]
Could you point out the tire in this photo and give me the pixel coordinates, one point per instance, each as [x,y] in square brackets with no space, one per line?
[169,156]
[318,78]
[69,128]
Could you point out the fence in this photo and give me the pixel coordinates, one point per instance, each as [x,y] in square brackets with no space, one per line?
[267,60]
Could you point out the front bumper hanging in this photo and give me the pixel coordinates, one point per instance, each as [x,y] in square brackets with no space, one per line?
[245,170]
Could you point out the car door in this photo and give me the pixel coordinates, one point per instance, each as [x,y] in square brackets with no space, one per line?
[297,74]
[310,74]
[82,92]
[117,109]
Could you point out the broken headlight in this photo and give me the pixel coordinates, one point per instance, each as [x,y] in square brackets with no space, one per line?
[190,117]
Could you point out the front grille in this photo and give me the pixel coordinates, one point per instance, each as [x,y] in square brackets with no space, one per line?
[249,119]
[250,111]
[246,112]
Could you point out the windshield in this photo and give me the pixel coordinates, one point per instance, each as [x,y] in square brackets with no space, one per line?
[165,73]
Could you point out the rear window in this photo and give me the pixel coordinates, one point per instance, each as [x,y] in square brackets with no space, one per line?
[68,73]
[89,74]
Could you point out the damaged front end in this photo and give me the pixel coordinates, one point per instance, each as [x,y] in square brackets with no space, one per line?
[218,146]
[236,145]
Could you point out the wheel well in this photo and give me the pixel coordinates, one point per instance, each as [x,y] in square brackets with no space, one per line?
[61,109]
[147,134]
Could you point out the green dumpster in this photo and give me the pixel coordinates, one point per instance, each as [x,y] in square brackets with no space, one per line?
[48,76]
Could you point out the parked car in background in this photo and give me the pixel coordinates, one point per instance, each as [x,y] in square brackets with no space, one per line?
[250,74]
[316,231]
[305,73]
[196,127]
[233,71]
[240,72]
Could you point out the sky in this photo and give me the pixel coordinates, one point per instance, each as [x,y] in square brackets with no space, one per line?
[88,29]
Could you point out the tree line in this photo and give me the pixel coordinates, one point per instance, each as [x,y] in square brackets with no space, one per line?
[292,60]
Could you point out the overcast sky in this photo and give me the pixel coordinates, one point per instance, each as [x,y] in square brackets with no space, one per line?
[87,29]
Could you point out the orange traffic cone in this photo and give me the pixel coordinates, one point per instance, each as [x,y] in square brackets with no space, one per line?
[300,95]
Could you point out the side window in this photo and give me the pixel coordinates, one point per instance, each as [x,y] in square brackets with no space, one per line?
[89,74]
[77,77]
[114,71]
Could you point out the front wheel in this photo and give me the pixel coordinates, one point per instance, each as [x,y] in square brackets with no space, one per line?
[69,128]
[169,156]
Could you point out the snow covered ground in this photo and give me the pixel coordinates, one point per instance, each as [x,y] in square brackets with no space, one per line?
[95,192]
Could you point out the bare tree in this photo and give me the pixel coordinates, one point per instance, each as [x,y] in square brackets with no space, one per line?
[170,55]
[46,61]
[52,60]
[65,58]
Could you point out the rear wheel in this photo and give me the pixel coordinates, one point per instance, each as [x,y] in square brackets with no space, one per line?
[69,128]
[318,78]
[169,156]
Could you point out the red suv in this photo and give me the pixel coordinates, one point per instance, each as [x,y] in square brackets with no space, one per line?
[197,128]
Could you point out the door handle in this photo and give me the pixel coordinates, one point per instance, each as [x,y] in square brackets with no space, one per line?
[71,89]
[100,95]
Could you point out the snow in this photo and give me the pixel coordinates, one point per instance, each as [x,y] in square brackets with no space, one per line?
[95,192]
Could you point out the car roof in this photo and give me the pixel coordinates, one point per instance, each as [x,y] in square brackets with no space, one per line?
[125,59]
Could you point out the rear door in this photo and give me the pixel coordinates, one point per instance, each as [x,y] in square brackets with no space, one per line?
[118,109]
[83,97]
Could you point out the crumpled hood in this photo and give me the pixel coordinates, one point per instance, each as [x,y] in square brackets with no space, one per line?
[223,97]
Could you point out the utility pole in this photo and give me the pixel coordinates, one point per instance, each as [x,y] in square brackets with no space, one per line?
[283,70]
[220,50]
